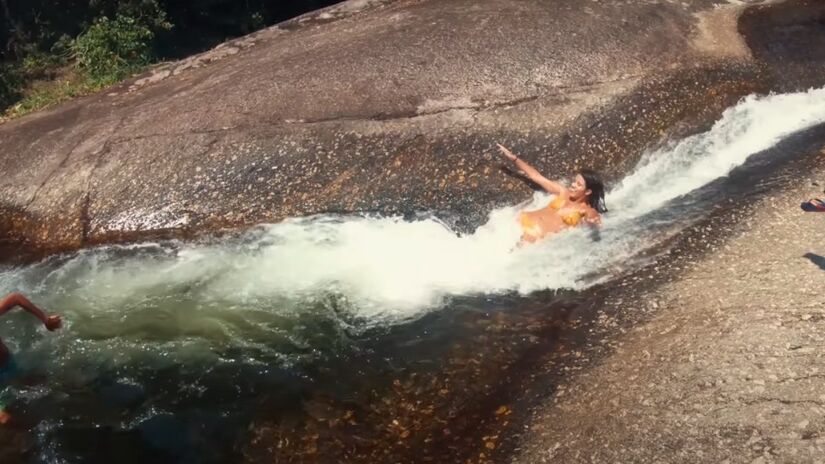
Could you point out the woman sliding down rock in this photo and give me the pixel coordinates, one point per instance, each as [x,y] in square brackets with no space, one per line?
[8,368]
[582,201]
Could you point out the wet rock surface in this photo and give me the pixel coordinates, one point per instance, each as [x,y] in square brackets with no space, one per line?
[419,415]
[788,38]
[384,107]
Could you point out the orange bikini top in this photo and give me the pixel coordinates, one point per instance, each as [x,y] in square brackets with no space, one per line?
[572,219]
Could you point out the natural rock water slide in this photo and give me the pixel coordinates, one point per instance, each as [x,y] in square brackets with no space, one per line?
[367,338]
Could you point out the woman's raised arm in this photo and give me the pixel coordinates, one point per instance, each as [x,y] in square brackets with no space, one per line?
[531,173]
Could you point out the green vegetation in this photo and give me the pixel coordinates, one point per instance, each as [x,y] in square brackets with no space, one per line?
[53,50]
[113,49]
[44,65]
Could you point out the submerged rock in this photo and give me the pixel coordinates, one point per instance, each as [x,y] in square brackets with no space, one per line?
[390,107]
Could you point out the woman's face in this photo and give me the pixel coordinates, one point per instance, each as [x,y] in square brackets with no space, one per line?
[579,188]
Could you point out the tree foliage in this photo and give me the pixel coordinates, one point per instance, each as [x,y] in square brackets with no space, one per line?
[113,48]
[106,40]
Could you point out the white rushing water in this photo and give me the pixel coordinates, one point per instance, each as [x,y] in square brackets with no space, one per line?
[386,268]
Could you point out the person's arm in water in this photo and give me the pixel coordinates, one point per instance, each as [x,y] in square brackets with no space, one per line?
[593,218]
[16,299]
[51,322]
[531,172]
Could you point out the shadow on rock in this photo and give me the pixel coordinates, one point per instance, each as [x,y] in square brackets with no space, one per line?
[816,259]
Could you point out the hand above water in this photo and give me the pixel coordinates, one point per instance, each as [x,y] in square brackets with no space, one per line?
[507,153]
[53,322]
[595,220]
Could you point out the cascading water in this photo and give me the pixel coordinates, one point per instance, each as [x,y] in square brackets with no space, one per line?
[285,295]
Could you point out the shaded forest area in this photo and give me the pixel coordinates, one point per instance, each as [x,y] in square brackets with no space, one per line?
[53,50]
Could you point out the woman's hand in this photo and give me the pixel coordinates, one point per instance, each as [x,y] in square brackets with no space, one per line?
[593,219]
[507,153]
[531,173]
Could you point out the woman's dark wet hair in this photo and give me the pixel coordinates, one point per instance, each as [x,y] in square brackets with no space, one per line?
[593,182]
